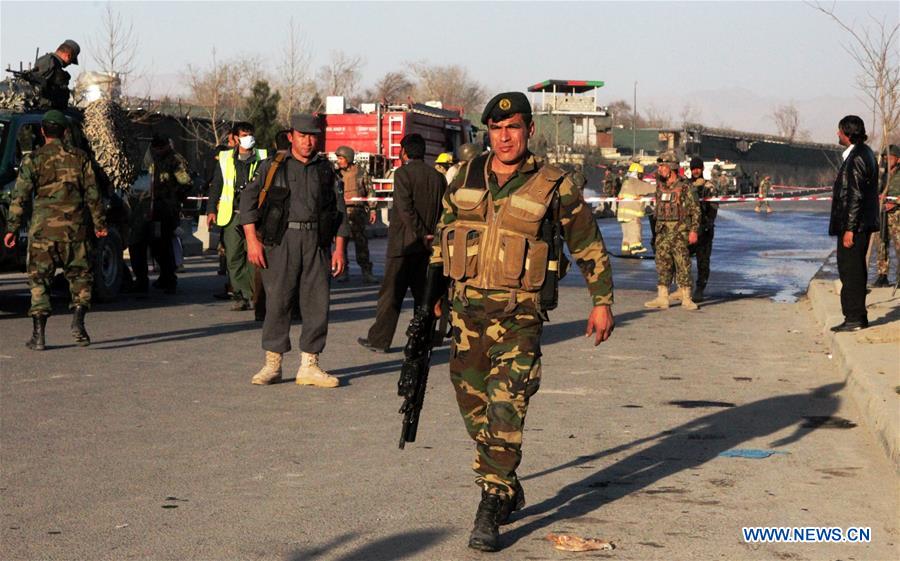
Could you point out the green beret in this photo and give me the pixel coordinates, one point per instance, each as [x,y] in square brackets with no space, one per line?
[504,105]
[56,117]
[894,150]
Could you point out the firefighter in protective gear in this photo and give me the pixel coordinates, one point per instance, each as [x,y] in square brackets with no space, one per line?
[630,210]
[236,169]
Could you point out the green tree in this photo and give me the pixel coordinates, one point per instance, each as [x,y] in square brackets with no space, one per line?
[261,109]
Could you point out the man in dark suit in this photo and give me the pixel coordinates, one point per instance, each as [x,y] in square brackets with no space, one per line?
[854,216]
[418,189]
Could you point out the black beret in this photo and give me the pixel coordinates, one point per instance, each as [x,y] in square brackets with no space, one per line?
[894,150]
[696,163]
[504,105]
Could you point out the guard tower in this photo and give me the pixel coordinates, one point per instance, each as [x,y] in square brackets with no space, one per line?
[576,100]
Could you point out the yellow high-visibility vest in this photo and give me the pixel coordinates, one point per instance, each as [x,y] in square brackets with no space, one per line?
[226,199]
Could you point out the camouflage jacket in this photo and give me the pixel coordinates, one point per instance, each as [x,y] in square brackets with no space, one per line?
[689,215]
[363,185]
[61,180]
[579,227]
[764,187]
[170,182]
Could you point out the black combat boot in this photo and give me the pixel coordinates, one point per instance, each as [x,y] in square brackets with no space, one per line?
[881,282]
[78,331]
[485,535]
[509,506]
[36,343]
[698,293]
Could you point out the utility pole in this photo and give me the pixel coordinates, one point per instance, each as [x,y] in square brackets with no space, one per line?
[633,122]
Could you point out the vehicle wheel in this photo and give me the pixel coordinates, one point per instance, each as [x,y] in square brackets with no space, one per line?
[108,266]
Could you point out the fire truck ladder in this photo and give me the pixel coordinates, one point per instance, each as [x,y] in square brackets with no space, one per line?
[395,135]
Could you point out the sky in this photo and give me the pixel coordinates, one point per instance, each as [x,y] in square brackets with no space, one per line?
[733,62]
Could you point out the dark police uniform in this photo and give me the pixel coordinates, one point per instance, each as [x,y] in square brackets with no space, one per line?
[301,263]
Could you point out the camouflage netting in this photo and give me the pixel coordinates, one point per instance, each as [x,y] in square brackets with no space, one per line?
[18,96]
[106,127]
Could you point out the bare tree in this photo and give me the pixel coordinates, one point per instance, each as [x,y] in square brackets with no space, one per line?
[787,121]
[393,87]
[340,76]
[216,96]
[689,114]
[293,84]
[874,49]
[623,115]
[450,84]
[657,118]
[114,48]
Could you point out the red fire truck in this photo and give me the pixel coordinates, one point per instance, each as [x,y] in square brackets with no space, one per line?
[375,132]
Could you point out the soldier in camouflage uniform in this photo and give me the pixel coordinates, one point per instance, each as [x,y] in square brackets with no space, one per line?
[892,209]
[155,215]
[62,182]
[357,184]
[489,243]
[677,226]
[764,186]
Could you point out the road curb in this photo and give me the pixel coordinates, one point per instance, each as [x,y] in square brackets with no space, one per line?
[872,376]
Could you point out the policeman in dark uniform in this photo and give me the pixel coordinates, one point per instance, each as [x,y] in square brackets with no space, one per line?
[50,78]
[302,215]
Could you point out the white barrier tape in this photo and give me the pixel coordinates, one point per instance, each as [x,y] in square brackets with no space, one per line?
[651,199]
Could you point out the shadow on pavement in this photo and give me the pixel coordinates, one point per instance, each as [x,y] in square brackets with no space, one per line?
[181,335]
[398,546]
[685,447]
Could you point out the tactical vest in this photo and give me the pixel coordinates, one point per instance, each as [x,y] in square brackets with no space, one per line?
[497,244]
[226,199]
[668,203]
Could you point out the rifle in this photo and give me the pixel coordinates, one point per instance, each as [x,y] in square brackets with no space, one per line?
[884,234]
[417,355]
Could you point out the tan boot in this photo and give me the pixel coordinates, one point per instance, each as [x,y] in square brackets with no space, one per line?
[675,297]
[662,298]
[686,301]
[309,373]
[270,372]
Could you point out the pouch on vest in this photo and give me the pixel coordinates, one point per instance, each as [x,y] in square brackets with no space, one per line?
[471,204]
[460,247]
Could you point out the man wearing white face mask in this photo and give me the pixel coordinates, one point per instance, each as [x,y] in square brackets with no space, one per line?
[236,168]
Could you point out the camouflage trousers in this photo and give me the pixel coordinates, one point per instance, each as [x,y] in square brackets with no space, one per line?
[495,367]
[672,253]
[893,227]
[44,257]
[703,251]
[358,219]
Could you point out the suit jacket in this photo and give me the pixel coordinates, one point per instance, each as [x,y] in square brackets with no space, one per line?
[418,189]
[854,203]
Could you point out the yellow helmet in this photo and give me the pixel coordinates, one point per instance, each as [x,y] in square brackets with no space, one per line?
[636,167]
[444,158]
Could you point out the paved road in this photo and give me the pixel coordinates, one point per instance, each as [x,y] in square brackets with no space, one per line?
[152,444]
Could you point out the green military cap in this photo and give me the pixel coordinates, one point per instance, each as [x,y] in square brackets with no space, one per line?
[56,117]
[504,105]
[894,150]
[667,157]
[305,123]
[76,49]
